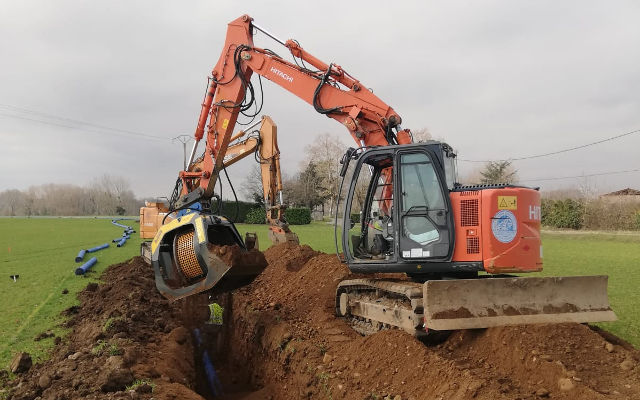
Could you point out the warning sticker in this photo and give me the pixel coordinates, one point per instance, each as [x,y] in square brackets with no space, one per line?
[507,202]
[504,226]
[417,252]
[225,123]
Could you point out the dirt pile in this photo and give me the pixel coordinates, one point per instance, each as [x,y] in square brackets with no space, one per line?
[281,340]
[283,328]
[127,342]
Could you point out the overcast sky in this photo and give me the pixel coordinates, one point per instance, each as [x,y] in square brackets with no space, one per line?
[495,79]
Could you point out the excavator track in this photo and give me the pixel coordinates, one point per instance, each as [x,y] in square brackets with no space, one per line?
[373,305]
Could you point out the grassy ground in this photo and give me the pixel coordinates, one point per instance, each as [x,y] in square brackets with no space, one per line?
[42,251]
[615,255]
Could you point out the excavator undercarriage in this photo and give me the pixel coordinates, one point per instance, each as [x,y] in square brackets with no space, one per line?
[451,304]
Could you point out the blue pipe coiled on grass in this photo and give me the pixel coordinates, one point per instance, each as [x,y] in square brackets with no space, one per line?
[94,249]
[81,270]
[80,255]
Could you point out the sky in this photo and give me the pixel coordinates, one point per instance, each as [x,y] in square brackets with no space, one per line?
[494,79]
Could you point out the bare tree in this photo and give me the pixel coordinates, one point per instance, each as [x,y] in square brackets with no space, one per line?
[107,196]
[325,153]
[10,201]
[252,185]
[498,172]
[421,135]
[307,190]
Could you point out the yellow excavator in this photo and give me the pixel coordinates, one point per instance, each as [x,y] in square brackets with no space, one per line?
[263,144]
[458,246]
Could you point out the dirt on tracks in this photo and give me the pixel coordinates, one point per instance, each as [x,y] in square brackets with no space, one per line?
[281,340]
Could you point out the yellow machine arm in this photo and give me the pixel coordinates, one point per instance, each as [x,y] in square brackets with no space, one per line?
[265,146]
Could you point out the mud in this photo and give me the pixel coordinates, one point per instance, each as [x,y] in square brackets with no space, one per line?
[123,331]
[281,340]
[283,326]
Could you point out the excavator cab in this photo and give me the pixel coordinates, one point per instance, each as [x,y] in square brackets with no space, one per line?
[400,194]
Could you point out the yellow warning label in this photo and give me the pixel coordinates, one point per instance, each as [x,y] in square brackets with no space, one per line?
[507,202]
[225,123]
[200,231]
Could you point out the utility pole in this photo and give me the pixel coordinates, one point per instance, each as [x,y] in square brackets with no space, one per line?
[184,139]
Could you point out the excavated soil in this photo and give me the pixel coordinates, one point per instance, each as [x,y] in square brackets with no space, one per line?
[281,340]
[122,332]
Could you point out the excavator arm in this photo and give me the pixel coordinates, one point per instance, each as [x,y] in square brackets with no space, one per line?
[265,148]
[327,87]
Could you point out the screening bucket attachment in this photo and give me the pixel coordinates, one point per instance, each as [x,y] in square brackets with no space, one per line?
[483,303]
[195,253]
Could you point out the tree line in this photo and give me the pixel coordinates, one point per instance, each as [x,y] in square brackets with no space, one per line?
[316,184]
[107,195]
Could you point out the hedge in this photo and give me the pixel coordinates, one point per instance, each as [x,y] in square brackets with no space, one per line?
[294,216]
[298,216]
[355,218]
[567,213]
[256,216]
[229,210]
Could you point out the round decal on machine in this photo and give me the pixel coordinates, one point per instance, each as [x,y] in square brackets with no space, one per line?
[504,226]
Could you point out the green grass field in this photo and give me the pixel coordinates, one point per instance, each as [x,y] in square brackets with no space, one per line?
[42,251]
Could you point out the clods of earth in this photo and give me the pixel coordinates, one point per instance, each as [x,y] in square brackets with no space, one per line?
[280,339]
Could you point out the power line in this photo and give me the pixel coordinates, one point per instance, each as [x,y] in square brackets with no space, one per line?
[6,110]
[183,139]
[582,176]
[558,151]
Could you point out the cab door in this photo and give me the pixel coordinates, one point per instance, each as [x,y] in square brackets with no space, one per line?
[424,210]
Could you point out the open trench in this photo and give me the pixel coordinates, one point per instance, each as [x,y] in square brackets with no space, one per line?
[279,339]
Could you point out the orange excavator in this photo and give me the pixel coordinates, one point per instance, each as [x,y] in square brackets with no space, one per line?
[456,245]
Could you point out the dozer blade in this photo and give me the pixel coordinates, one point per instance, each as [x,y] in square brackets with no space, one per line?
[483,303]
[195,253]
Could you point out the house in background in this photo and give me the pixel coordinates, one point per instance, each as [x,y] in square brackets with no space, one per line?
[627,195]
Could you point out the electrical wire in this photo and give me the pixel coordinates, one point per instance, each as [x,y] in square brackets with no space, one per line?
[582,176]
[559,151]
[64,122]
